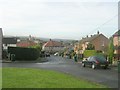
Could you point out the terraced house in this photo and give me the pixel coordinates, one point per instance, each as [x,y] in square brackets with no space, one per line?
[1,36]
[99,41]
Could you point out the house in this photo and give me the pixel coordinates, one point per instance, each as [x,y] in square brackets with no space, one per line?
[116,43]
[9,42]
[1,36]
[116,38]
[52,46]
[26,43]
[99,41]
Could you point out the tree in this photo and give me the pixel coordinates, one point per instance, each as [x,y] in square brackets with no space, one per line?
[90,47]
[38,47]
[111,51]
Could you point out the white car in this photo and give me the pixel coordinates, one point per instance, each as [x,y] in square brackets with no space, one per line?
[56,54]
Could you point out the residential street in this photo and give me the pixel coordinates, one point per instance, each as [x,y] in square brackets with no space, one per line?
[107,77]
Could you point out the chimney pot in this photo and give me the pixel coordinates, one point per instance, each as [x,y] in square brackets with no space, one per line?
[98,32]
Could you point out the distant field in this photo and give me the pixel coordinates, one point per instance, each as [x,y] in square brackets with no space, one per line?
[37,78]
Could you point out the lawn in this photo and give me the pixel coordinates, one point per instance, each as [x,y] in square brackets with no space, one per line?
[0,78]
[38,78]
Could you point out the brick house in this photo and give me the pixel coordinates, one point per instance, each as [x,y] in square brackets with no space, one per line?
[99,41]
[1,36]
[52,46]
[116,38]
[116,43]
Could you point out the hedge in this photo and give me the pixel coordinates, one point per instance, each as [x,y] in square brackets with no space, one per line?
[24,53]
[88,53]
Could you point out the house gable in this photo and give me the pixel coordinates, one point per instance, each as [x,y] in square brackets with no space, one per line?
[100,42]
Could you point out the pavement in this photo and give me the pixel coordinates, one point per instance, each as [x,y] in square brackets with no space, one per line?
[39,60]
[108,77]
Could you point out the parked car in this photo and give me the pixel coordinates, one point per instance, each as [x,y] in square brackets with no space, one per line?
[95,61]
[47,54]
[56,54]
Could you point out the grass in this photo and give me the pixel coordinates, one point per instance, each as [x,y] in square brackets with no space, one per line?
[0,78]
[38,78]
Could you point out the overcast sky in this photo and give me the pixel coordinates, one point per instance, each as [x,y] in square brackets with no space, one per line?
[66,19]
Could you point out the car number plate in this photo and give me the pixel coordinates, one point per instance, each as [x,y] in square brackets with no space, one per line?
[102,65]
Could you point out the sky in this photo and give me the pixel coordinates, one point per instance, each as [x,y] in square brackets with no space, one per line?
[65,19]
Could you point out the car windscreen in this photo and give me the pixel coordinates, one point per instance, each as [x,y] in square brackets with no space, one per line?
[100,58]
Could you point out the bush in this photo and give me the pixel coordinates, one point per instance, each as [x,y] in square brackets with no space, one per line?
[4,54]
[88,53]
[24,53]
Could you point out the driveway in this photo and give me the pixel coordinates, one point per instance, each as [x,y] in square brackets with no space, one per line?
[107,77]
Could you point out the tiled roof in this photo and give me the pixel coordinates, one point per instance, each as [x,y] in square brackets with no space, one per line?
[25,44]
[53,44]
[89,39]
[9,40]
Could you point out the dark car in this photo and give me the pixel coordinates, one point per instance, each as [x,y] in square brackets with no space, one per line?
[95,61]
[47,54]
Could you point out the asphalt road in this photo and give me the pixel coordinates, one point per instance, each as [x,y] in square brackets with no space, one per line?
[107,77]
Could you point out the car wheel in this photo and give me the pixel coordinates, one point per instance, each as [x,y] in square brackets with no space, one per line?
[105,67]
[83,65]
[93,66]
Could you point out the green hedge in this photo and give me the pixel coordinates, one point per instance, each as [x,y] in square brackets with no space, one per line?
[24,53]
[88,53]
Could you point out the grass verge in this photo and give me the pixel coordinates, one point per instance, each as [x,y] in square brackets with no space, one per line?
[38,78]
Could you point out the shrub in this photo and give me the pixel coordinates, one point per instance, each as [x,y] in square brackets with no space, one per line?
[4,54]
[88,53]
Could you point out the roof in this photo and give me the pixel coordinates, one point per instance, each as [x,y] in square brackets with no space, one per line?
[25,44]
[53,44]
[117,33]
[89,39]
[9,40]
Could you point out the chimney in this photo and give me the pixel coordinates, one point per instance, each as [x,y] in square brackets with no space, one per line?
[30,37]
[87,36]
[98,32]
